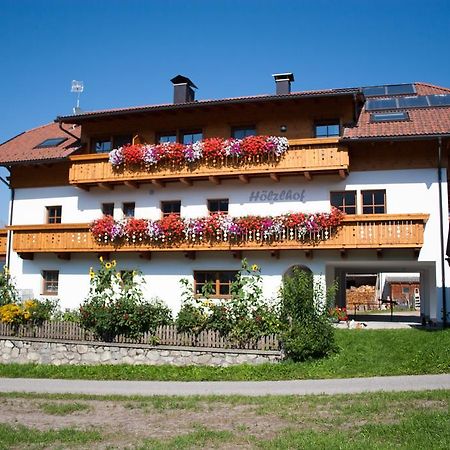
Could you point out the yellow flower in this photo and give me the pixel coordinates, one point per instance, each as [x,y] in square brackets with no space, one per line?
[108,265]
[6,270]
[118,275]
[101,259]
[255,267]
[113,263]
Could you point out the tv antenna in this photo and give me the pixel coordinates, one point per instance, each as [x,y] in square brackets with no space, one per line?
[77,87]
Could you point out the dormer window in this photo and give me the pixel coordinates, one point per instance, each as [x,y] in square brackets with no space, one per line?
[51,142]
[327,129]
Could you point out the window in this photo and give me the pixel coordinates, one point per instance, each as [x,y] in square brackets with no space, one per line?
[220,282]
[51,142]
[50,282]
[166,137]
[374,202]
[121,140]
[128,209]
[219,205]
[344,200]
[106,144]
[242,132]
[54,214]
[189,137]
[171,207]
[108,209]
[102,145]
[389,117]
[327,129]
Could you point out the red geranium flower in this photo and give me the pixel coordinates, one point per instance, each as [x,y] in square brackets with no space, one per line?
[213,148]
[253,145]
[133,154]
[136,227]
[172,226]
[101,228]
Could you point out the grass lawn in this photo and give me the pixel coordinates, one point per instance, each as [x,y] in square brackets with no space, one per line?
[406,420]
[363,353]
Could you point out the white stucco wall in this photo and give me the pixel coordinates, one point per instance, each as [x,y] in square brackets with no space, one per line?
[407,191]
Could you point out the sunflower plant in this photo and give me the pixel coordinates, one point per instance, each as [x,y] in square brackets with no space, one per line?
[115,304]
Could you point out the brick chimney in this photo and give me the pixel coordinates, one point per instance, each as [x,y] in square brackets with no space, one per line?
[183,89]
[283,82]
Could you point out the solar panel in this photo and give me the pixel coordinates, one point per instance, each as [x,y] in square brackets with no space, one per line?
[382,103]
[439,100]
[400,89]
[389,117]
[388,89]
[413,102]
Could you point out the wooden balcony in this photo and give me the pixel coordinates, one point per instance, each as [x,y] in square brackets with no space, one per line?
[3,242]
[356,232]
[307,157]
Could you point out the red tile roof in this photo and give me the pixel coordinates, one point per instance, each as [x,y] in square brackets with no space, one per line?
[21,148]
[421,122]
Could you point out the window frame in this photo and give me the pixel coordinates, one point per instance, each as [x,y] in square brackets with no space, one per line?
[327,123]
[160,135]
[344,206]
[184,133]
[217,284]
[48,285]
[107,138]
[59,140]
[241,128]
[124,207]
[108,204]
[373,205]
[218,200]
[166,202]
[53,218]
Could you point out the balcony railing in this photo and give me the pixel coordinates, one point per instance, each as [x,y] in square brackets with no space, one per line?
[305,156]
[3,240]
[356,232]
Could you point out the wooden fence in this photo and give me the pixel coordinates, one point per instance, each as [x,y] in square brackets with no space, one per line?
[165,335]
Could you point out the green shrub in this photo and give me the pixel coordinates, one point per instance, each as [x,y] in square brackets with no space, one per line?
[307,331]
[115,305]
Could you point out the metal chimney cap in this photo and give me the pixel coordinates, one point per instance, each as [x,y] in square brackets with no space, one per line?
[180,79]
[288,76]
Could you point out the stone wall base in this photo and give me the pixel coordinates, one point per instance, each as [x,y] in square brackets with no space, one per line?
[28,350]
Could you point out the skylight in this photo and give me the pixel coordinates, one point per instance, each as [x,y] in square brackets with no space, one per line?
[389,117]
[51,142]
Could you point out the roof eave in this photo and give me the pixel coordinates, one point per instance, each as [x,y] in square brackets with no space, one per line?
[76,119]
[396,137]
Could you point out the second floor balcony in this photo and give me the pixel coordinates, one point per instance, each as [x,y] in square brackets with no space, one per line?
[378,232]
[306,157]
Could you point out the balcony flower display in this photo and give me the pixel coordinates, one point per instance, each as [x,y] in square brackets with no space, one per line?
[211,149]
[173,229]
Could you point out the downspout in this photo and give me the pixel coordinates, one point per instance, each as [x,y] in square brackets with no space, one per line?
[11,210]
[67,132]
[441,232]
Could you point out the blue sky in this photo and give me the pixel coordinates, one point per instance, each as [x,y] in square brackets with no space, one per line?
[126,51]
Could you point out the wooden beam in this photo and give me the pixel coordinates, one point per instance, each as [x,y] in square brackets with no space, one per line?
[190,255]
[65,256]
[215,180]
[308,175]
[159,183]
[84,187]
[379,253]
[27,256]
[275,177]
[309,254]
[244,178]
[110,187]
[416,253]
[131,184]
[186,181]
[343,252]
[145,255]
[342,174]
